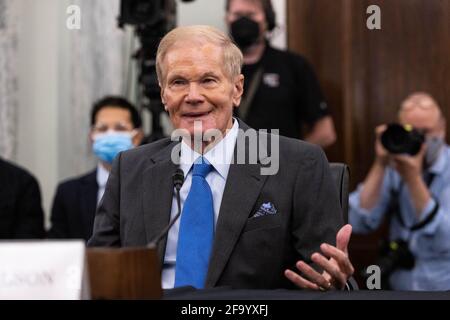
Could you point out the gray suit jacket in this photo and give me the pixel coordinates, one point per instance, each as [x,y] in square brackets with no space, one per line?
[248,252]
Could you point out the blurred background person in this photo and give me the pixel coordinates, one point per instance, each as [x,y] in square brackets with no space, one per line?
[21,214]
[281,89]
[412,190]
[115,127]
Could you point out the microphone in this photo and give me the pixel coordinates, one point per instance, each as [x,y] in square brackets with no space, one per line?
[178,180]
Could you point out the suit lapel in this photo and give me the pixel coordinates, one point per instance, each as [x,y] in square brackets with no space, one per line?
[243,186]
[157,195]
[89,192]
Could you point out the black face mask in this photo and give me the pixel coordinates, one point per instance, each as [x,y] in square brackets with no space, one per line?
[245,32]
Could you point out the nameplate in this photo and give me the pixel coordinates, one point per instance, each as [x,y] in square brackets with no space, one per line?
[37,270]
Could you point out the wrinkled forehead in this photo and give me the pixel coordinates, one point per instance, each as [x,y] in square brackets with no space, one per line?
[113,113]
[423,116]
[200,53]
[195,46]
[419,100]
[245,4]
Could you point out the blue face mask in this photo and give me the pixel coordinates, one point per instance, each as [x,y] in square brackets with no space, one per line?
[434,148]
[106,146]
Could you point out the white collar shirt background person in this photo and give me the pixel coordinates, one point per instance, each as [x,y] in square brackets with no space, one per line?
[102,178]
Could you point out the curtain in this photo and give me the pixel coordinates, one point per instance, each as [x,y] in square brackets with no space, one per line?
[97,60]
[8,77]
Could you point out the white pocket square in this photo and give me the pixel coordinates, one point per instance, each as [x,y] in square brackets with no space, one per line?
[265,210]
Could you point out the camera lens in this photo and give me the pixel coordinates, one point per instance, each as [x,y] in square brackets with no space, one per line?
[399,139]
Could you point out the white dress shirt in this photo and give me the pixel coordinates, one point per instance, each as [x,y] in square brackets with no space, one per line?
[219,157]
[102,178]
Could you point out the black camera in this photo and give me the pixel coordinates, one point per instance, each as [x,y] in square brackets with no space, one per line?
[138,12]
[394,255]
[402,139]
[151,20]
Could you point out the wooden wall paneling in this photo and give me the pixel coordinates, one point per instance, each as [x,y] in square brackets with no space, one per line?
[315,31]
[365,74]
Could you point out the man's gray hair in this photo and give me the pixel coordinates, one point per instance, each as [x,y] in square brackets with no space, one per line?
[232,56]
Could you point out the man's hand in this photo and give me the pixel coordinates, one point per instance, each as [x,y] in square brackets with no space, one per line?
[334,261]
[381,154]
[409,167]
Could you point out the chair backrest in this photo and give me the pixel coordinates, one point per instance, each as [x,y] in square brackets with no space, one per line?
[341,175]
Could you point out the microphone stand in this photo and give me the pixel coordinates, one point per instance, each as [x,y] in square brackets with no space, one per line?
[178,180]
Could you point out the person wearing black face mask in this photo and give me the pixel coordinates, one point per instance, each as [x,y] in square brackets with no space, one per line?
[419,185]
[245,32]
[281,89]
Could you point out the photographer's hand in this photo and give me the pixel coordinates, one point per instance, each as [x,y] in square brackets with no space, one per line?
[381,154]
[410,168]
[370,192]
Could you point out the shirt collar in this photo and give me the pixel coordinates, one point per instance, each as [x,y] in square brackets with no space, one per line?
[441,162]
[102,176]
[219,156]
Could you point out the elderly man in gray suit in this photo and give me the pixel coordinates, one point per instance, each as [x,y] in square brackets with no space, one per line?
[240,226]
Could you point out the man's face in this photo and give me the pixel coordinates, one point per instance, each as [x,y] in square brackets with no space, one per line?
[422,114]
[196,88]
[251,9]
[114,119]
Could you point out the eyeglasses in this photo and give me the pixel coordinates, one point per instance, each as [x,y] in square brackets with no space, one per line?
[120,127]
[424,104]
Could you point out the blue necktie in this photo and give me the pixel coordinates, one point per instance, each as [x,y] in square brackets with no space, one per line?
[196,234]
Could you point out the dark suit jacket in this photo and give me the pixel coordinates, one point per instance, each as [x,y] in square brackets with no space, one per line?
[74,208]
[21,215]
[247,252]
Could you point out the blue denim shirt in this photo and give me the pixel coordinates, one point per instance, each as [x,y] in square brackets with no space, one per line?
[431,244]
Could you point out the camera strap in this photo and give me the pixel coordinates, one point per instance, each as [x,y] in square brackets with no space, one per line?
[247,100]
[394,206]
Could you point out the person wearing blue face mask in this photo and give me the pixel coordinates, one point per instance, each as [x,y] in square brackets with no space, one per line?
[413,193]
[107,145]
[281,89]
[115,127]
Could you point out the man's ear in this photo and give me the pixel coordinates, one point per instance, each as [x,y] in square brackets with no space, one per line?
[162,93]
[444,127]
[227,20]
[238,90]
[138,137]
[91,136]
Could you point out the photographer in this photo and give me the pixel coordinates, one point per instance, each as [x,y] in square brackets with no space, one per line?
[411,189]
